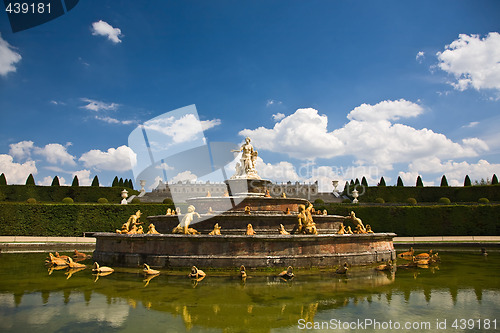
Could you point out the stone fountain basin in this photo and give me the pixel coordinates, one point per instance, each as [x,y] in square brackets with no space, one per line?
[230,251]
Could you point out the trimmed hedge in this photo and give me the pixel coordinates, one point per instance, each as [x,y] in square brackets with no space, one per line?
[20,193]
[430,193]
[438,220]
[23,219]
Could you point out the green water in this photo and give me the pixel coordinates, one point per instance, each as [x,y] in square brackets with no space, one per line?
[465,285]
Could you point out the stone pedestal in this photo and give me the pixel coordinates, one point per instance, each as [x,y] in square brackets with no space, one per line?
[247,186]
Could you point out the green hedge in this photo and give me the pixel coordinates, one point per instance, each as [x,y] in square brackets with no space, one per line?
[439,220]
[430,193]
[23,219]
[21,193]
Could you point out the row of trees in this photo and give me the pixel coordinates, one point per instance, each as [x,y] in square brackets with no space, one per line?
[419,183]
[95,182]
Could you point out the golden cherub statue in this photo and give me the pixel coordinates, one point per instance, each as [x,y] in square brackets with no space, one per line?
[369,229]
[341,229]
[183,227]
[169,212]
[282,230]
[305,223]
[152,229]
[247,210]
[216,230]
[128,227]
[250,231]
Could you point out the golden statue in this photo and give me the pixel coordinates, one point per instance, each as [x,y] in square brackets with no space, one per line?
[140,230]
[183,227]
[341,229]
[196,273]
[77,255]
[267,194]
[282,230]
[152,229]
[247,210]
[369,229]
[101,269]
[287,211]
[283,195]
[208,194]
[305,223]
[226,193]
[54,261]
[72,264]
[250,231]
[348,231]
[148,271]
[169,212]
[216,230]
[359,230]
[128,227]
[288,274]
[243,273]
[210,211]
[357,221]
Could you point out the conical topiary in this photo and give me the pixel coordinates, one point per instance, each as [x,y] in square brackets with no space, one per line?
[120,182]
[444,181]
[364,182]
[55,181]
[494,180]
[115,181]
[382,182]
[400,182]
[95,182]
[30,180]
[419,182]
[75,181]
[3,180]
[467,181]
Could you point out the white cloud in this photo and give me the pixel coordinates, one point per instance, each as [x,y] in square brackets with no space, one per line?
[385,110]
[183,176]
[279,172]
[273,102]
[164,166]
[111,120]
[56,153]
[97,106]
[21,150]
[156,182]
[16,173]
[8,57]
[473,61]
[370,137]
[105,29]
[278,116]
[83,177]
[420,56]
[183,129]
[471,124]
[47,181]
[302,135]
[119,159]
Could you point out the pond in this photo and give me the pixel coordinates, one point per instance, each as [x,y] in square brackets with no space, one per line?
[461,293]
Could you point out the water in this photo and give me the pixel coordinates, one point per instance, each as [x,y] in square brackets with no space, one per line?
[465,285]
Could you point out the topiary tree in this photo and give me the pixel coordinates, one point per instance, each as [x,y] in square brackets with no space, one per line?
[115,182]
[380,200]
[31,200]
[444,201]
[167,201]
[30,180]
[75,181]
[102,200]
[351,183]
[356,182]
[467,181]
[319,201]
[494,180]
[131,183]
[419,182]
[483,201]
[382,182]
[411,201]
[400,182]
[67,200]
[364,182]
[346,188]
[444,181]
[55,181]
[95,182]
[120,182]
[3,180]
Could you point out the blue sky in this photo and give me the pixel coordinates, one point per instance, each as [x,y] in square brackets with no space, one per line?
[326,89]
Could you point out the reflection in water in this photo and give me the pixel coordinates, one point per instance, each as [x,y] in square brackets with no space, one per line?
[30,298]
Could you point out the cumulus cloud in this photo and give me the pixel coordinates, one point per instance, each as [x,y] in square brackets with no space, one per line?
[21,150]
[471,124]
[119,159]
[278,116]
[420,56]
[8,57]
[56,153]
[83,177]
[370,136]
[94,105]
[16,173]
[273,102]
[183,176]
[473,61]
[183,129]
[111,120]
[102,28]
[47,181]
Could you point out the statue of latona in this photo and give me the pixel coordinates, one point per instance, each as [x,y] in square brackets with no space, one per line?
[245,168]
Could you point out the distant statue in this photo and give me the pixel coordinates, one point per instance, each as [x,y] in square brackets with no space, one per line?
[247,210]
[210,211]
[325,212]
[169,212]
[283,195]
[152,229]
[209,194]
[267,194]
[128,227]
[287,211]
[369,229]
[226,193]
[282,230]
[183,227]
[341,229]
[216,230]
[250,231]
[178,211]
[357,221]
[359,230]
[305,223]
[245,168]
[140,230]
[348,231]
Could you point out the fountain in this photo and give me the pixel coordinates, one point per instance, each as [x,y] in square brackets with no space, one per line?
[285,232]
